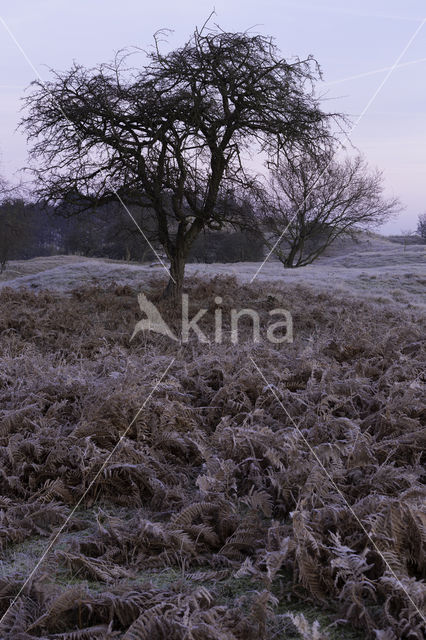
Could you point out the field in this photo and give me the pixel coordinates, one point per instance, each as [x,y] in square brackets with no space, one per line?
[159,489]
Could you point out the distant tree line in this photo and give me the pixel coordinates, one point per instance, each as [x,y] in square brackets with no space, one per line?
[26,231]
[31,229]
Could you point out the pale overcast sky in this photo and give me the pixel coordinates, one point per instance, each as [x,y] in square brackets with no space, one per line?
[355,42]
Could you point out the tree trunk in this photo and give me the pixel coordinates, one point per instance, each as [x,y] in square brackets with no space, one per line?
[173,290]
[288,263]
[178,256]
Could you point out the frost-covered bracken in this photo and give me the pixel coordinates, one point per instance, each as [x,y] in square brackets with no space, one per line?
[219,515]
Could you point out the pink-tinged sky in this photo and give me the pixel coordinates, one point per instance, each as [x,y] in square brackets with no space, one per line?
[355,42]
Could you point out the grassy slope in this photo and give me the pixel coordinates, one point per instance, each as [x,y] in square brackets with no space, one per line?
[373,267]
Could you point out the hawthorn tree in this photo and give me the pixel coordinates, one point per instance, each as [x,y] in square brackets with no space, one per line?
[312,201]
[172,135]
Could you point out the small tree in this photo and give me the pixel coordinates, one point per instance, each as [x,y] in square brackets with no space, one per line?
[171,136]
[421,226]
[313,201]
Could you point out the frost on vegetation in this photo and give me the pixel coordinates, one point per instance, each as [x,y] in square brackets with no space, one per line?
[219,516]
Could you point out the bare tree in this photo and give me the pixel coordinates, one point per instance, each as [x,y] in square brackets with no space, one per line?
[421,226]
[313,201]
[171,135]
